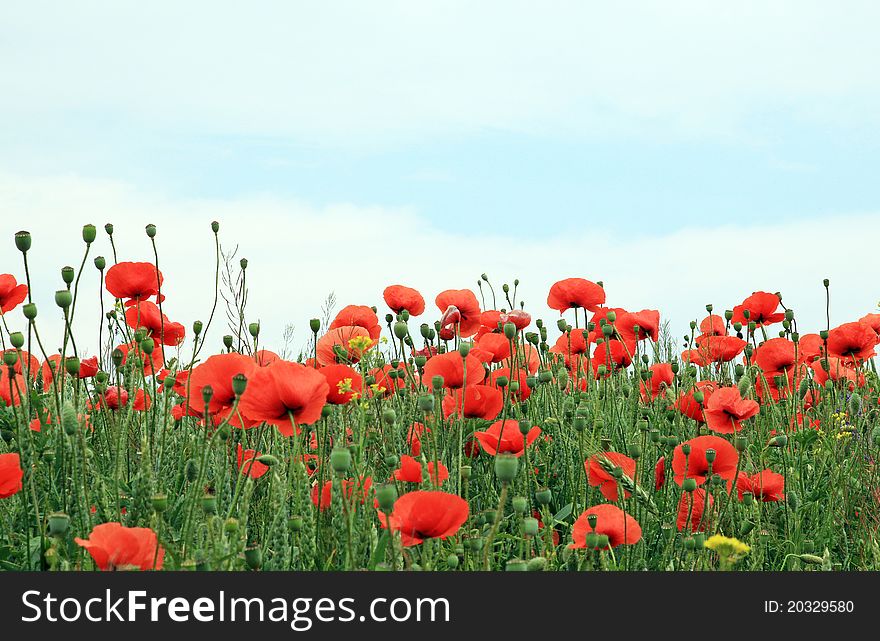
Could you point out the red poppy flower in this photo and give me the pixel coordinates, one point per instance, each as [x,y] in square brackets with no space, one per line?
[10,475]
[695,466]
[152,364]
[248,463]
[726,410]
[836,369]
[604,480]
[687,405]
[762,308]
[527,356]
[620,353]
[496,345]
[27,364]
[133,281]
[339,377]
[345,339]
[480,401]
[660,473]
[694,504]
[426,515]
[451,366]
[647,320]
[358,316]
[11,293]
[400,298]
[575,292]
[285,394]
[11,387]
[413,437]
[410,471]
[810,347]
[775,355]
[714,349]
[116,547]
[713,325]
[519,377]
[660,379]
[767,486]
[854,341]
[504,437]
[872,321]
[467,305]
[217,373]
[520,319]
[574,343]
[265,357]
[147,315]
[361,485]
[617,525]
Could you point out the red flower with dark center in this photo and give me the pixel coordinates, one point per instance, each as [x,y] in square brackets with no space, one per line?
[693,504]
[574,343]
[661,379]
[466,304]
[872,321]
[810,347]
[621,355]
[762,308]
[687,405]
[248,463]
[854,341]
[400,298]
[726,410]
[410,471]
[713,325]
[480,401]
[285,394]
[695,466]
[217,372]
[496,345]
[11,293]
[341,377]
[147,315]
[116,547]
[604,480]
[776,354]
[647,320]
[133,281]
[349,487]
[617,525]
[767,486]
[451,366]
[714,349]
[358,316]
[574,293]
[10,475]
[504,437]
[426,515]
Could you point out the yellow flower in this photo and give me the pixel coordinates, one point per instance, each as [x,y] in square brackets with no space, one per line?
[360,343]
[728,549]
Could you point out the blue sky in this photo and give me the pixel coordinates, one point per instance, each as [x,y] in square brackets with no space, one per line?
[514,122]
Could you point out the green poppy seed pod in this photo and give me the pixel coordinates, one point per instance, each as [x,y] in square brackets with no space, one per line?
[151,230]
[740,443]
[215,226]
[23,241]
[140,334]
[16,339]
[389,416]
[545,376]
[710,455]
[243,263]
[516,565]
[674,367]
[197,327]
[159,502]
[295,523]
[67,274]
[452,561]
[10,358]
[562,324]
[426,402]
[100,263]
[224,432]
[607,329]
[71,364]
[635,451]
[520,504]
[502,381]
[253,558]
[231,525]
[826,282]
[89,233]
[543,496]
[108,228]
[168,382]
[855,405]
[592,520]
[102,377]
[530,526]
[509,331]
[601,371]
[420,361]
[400,330]
[737,326]
[437,382]
[780,440]
[689,485]
[655,436]
[391,460]
[340,459]
[58,524]
[254,329]
[699,396]
[386,494]
[823,334]
[207,394]
[579,423]
[209,503]
[464,349]
[748,498]
[693,324]
[404,315]
[191,470]
[117,356]
[63,298]
[239,384]
[506,467]
[686,449]
[227,341]
[531,381]
[591,540]
[147,346]
[465,472]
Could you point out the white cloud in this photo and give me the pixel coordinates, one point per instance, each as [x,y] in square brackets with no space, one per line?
[355,73]
[298,254]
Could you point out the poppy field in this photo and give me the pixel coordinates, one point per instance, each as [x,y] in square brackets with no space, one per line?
[453,433]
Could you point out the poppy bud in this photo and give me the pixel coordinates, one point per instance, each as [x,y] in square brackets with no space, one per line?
[823,334]
[748,498]
[23,241]
[502,381]
[591,540]
[140,334]
[506,467]
[191,470]
[655,436]
[386,495]
[464,349]
[437,382]
[635,451]
[543,496]
[267,459]
[426,401]
[253,557]
[740,443]
[400,330]
[465,472]
[58,524]
[509,331]
[562,324]
[520,504]
[780,440]
[63,298]
[340,459]
[699,397]
[243,263]
[227,341]
[389,416]
[117,357]
[452,561]
[689,485]
[254,329]
[147,346]
[10,358]
[209,503]
[151,230]
[531,381]
[295,523]
[826,282]
[530,526]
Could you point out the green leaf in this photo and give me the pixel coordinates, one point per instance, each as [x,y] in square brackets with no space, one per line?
[563,514]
